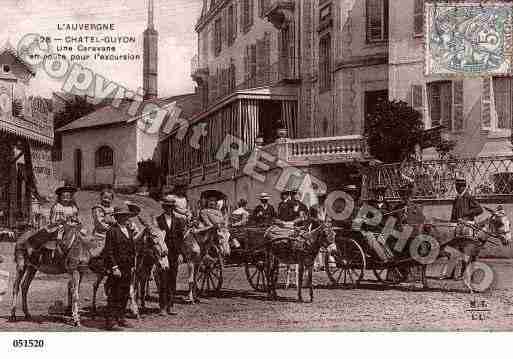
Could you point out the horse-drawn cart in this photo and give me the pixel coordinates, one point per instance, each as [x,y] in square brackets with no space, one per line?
[250,254]
[356,252]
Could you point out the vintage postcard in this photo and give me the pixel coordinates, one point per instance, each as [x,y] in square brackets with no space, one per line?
[255,165]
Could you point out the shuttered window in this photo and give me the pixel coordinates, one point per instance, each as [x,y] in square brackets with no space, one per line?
[446,104]
[104,157]
[324,63]
[377,20]
[263,6]
[252,61]
[440,104]
[417,99]
[217,36]
[247,7]
[486,103]
[502,93]
[232,25]
[418,18]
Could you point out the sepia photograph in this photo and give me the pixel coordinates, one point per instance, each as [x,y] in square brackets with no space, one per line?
[255,166]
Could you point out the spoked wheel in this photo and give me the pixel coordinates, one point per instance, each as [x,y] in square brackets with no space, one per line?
[345,266]
[255,273]
[209,275]
[392,275]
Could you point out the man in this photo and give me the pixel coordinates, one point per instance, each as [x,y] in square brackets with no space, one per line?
[179,195]
[102,214]
[318,212]
[303,209]
[212,217]
[290,211]
[119,253]
[174,227]
[379,201]
[264,212]
[465,209]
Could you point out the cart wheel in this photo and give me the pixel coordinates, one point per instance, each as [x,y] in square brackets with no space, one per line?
[209,275]
[345,266]
[391,275]
[255,273]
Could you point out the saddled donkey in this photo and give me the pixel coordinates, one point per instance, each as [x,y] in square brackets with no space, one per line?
[39,251]
[151,251]
[301,250]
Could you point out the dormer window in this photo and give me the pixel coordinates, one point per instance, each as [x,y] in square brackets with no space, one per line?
[6,68]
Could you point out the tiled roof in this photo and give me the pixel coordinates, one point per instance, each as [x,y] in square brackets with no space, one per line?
[109,115]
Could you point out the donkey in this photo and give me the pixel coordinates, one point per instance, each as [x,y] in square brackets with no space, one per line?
[301,250]
[36,251]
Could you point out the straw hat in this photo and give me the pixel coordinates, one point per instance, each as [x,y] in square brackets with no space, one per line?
[264,195]
[168,200]
[67,187]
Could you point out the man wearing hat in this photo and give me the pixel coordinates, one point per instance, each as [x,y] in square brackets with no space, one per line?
[179,195]
[379,202]
[465,208]
[64,211]
[119,254]
[102,214]
[174,227]
[264,212]
[289,210]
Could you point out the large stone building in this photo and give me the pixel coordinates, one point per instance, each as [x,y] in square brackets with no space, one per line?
[319,68]
[26,137]
[263,66]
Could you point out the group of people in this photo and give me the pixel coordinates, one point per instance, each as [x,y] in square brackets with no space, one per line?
[114,227]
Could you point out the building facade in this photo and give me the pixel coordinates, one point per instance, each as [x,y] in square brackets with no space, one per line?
[265,71]
[318,68]
[26,138]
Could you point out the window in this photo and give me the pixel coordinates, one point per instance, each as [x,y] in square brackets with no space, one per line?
[6,68]
[440,104]
[232,25]
[217,37]
[104,157]
[418,18]
[417,99]
[377,20]
[263,6]
[372,100]
[325,13]
[246,18]
[502,91]
[324,63]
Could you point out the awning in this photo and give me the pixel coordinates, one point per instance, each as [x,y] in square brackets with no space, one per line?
[26,129]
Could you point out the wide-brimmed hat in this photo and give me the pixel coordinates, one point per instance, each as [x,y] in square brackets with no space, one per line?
[264,195]
[168,201]
[124,211]
[65,188]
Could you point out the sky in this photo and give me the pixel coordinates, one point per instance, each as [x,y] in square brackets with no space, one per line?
[174,20]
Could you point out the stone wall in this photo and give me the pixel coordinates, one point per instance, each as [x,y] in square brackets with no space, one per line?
[121,138]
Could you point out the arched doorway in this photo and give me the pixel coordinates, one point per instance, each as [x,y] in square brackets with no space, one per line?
[78,168]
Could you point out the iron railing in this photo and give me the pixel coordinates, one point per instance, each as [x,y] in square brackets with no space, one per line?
[485,176]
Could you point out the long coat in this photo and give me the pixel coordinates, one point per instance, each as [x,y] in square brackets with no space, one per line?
[465,207]
[119,249]
[174,234]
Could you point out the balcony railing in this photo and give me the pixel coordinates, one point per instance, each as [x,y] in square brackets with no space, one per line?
[282,71]
[486,177]
[295,152]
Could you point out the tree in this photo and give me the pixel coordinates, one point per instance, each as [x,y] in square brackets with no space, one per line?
[393,130]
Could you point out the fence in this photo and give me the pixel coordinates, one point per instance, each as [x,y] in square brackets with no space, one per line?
[486,177]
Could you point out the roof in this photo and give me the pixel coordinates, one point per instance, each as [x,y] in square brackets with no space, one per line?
[186,106]
[109,115]
[10,49]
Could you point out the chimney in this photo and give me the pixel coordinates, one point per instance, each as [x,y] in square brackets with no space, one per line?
[150,56]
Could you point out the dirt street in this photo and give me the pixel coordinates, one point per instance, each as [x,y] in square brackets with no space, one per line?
[445,306]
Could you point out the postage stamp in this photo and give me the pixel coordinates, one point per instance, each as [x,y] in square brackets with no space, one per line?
[468,39]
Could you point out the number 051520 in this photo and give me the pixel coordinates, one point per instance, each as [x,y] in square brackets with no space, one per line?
[28,343]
